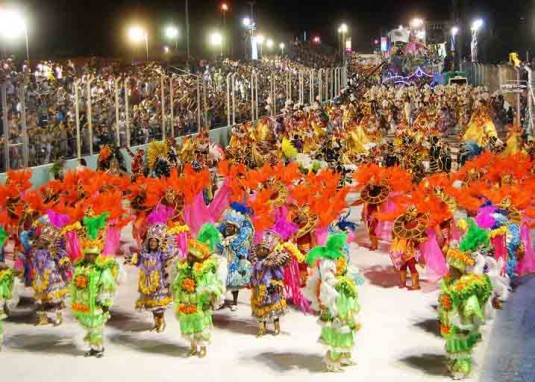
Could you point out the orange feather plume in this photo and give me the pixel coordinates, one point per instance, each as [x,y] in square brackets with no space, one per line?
[263,217]
[20,179]
[33,200]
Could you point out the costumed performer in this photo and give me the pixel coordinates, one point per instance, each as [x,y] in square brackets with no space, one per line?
[268,301]
[334,295]
[7,285]
[196,289]
[409,231]
[238,232]
[462,299]
[152,261]
[93,286]
[379,188]
[51,270]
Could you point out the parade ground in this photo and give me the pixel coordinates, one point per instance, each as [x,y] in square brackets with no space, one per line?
[399,340]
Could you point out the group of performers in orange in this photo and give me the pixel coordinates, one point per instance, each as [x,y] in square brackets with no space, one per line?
[274,223]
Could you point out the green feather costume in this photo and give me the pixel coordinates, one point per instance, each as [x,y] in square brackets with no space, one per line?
[461,310]
[335,297]
[93,284]
[197,287]
[7,282]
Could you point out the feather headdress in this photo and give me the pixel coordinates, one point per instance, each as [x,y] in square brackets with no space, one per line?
[332,250]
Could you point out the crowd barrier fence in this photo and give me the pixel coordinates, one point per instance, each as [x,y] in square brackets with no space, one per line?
[263,96]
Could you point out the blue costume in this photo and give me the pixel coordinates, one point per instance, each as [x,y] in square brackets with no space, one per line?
[513,240]
[235,247]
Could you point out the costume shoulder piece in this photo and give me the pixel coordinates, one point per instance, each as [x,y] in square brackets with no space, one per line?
[347,286]
[375,193]
[404,231]
[108,263]
[469,285]
[207,266]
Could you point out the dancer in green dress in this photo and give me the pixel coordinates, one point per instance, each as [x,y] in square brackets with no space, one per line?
[196,289]
[334,295]
[7,283]
[93,286]
[461,311]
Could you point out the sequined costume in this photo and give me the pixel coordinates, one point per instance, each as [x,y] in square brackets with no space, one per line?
[51,270]
[238,233]
[152,263]
[268,301]
[512,240]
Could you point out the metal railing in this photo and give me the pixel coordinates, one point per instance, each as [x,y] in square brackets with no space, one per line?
[43,121]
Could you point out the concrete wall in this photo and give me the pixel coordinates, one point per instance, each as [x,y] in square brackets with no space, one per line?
[41,174]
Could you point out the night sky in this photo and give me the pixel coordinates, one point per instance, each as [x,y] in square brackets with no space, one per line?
[61,28]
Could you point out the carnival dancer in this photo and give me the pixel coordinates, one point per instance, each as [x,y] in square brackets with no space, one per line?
[379,187]
[434,197]
[409,232]
[20,207]
[196,289]
[238,232]
[51,268]
[480,128]
[152,261]
[137,164]
[434,155]
[334,295]
[445,161]
[93,286]
[307,222]
[391,157]
[111,159]
[462,299]
[268,300]
[343,225]
[7,284]
[508,216]
[373,195]
[477,241]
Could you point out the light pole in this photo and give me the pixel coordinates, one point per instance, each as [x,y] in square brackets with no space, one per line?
[12,25]
[281,45]
[251,26]
[27,44]
[171,32]
[476,26]
[342,30]
[260,39]
[137,34]
[454,33]
[216,40]
[269,44]
[224,10]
